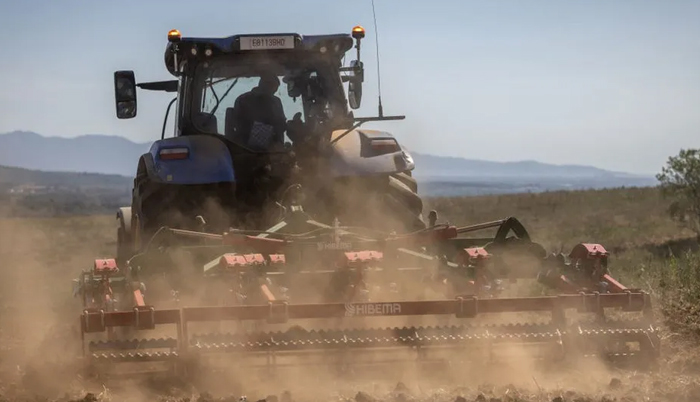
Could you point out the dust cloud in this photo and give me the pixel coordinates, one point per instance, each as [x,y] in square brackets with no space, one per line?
[40,342]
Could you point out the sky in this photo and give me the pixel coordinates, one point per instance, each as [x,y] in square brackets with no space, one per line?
[609,83]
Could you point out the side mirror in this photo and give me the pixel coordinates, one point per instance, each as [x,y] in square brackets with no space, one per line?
[355,85]
[125,94]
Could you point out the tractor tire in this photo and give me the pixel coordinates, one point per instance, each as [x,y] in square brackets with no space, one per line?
[124,248]
[407,179]
[125,242]
[404,202]
[384,203]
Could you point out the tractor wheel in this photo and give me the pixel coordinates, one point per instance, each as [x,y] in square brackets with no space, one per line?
[125,243]
[404,203]
[124,247]
[384,203]
[407,179]
[137,231]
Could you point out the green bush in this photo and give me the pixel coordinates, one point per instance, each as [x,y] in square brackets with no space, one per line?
[679,291]
[680,181]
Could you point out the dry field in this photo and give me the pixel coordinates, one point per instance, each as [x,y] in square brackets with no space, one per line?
[40,256]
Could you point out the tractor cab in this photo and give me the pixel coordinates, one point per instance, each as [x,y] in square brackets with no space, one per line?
[259,92]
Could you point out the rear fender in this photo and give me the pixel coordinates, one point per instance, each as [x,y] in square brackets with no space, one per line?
[368,153]
[208,161]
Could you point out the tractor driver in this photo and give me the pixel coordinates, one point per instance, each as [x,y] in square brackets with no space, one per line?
[258,117]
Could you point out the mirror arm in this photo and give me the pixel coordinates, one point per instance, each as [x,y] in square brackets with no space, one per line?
[378,118]
[165,86]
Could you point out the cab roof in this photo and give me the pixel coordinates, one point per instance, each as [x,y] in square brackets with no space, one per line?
[187,49]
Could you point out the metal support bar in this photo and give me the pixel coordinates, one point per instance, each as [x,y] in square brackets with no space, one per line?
[279,312]
[467,307]
[93,320]
[480,226]
[413,308]
[147,317]
[586,307]
[144,317]
[128,318]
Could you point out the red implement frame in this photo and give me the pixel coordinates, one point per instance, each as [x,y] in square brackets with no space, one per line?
[93,321]
[261,251]
[475,257]
[593,262]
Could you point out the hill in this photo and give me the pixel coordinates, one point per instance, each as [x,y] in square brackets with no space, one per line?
[458,169]
[14,176]
[118,155]
[88,153]
[25,192]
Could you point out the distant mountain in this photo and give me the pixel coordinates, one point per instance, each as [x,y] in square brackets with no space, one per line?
[442,167]
[87,153]
[118,155]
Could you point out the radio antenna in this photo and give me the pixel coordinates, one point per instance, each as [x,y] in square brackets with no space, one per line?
[379,80]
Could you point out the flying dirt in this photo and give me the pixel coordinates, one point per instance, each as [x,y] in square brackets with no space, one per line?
[346,284]
[40,341]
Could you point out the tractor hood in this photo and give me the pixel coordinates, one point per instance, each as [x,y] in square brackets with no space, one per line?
[368,152]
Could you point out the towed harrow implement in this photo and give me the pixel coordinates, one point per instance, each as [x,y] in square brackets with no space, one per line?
[321,294]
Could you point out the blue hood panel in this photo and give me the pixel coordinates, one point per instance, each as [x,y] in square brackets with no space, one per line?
[209,161]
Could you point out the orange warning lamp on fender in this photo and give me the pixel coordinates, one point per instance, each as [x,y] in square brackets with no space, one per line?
[358,32]
[174,35]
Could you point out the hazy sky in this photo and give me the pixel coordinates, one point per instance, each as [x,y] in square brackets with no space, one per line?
[610,83]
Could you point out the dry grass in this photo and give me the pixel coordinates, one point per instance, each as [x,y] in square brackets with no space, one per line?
[617,218]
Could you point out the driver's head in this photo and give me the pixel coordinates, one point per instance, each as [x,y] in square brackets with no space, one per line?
[269,83]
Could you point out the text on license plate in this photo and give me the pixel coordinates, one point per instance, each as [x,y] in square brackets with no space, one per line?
[267,42]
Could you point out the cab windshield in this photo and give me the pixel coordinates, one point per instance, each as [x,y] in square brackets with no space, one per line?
[258,107]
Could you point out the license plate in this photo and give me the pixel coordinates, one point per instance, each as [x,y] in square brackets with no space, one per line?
[267,42]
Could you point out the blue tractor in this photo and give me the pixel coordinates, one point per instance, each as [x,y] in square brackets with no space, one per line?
[263,124]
